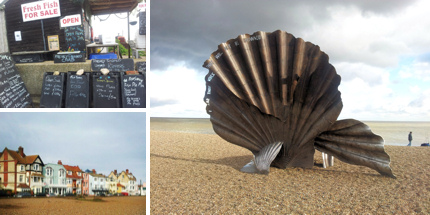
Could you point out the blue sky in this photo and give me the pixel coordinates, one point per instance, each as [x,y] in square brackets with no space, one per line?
[103,141]
[381,49]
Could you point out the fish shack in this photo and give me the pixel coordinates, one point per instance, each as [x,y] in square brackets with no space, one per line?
[38,30]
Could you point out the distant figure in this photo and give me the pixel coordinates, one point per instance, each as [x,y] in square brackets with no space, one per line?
[410,138]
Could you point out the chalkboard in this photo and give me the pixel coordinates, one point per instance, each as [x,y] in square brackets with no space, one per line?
[28,58]
[142,23]
[69,58]
[52,95]
[106,90]
[114,65]
[75,38]
[78,90]
[133,88]
[13,93]
[141,67]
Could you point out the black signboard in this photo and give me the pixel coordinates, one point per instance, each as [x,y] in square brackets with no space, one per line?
[78,90]
[69,58]
[28,58]
[141,67]
[114,65]
[142,23]
[75,38]
[13,93]
[106,90]
[52,95]
[133,89]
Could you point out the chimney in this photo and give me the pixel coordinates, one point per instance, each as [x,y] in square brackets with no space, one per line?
[59,162]
[126,171]
[115,172]
[94,171]
[21,151]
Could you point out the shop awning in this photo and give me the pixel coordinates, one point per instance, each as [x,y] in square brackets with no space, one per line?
[103,7]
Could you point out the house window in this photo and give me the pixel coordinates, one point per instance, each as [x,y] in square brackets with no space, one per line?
[36,167]
[70,172]
[21,178]
[79,173]
[22,167]
[101,180]
[49,171]
[95,179]
[51,181]
[61,173]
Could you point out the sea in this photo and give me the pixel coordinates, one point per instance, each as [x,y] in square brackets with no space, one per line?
[393,133]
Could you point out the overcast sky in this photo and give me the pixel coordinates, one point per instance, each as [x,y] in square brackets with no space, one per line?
[102,141]
[381,49]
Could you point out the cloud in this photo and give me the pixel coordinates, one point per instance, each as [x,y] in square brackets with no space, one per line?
[367,41]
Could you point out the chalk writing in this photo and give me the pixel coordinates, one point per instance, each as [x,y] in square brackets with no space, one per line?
[133,91]
[69,58]
[115,65]
[75,38]
[13,93]
[106,90]
[77,93]
[52,90]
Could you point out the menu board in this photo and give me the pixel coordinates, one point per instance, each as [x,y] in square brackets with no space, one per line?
[52,95]
[133,91]
[106,90]
[142,23]
[69,58]
[75,38]
[78,90]
[141,67]
[13,93]
[114,65]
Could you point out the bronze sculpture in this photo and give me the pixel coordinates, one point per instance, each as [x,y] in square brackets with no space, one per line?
[278,96]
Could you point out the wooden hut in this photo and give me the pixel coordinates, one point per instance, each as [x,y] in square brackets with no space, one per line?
[27,35]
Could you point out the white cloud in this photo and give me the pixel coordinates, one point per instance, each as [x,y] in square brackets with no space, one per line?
[175,92]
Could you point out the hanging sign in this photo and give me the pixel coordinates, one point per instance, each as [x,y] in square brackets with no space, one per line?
[71,20]
[40,10]
[141,7]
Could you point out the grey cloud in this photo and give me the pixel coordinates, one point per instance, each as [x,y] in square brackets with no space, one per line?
[189,31]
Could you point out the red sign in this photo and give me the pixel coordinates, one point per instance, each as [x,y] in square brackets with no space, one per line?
[71,20]
[40,10]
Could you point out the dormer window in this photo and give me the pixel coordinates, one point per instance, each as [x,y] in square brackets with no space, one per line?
[49,171]
[79,173]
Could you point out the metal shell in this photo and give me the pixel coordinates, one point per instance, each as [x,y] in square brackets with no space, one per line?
[268,88]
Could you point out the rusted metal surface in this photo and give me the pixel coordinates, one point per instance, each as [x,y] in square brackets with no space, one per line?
[266,88]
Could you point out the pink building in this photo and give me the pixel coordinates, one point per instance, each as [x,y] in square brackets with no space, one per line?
[85,183]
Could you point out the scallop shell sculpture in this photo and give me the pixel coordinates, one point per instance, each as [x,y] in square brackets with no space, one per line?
[278,96]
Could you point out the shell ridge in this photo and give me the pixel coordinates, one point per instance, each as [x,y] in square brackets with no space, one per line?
[268,88]
[251,61]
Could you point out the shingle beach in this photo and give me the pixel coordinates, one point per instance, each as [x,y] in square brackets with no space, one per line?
[199,174]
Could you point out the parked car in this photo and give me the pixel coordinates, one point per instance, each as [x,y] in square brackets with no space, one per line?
[23,195]
[50,195]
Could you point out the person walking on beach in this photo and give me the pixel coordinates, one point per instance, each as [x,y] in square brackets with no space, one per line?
[410,138]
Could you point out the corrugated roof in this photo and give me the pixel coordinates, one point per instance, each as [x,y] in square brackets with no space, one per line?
[102,7]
